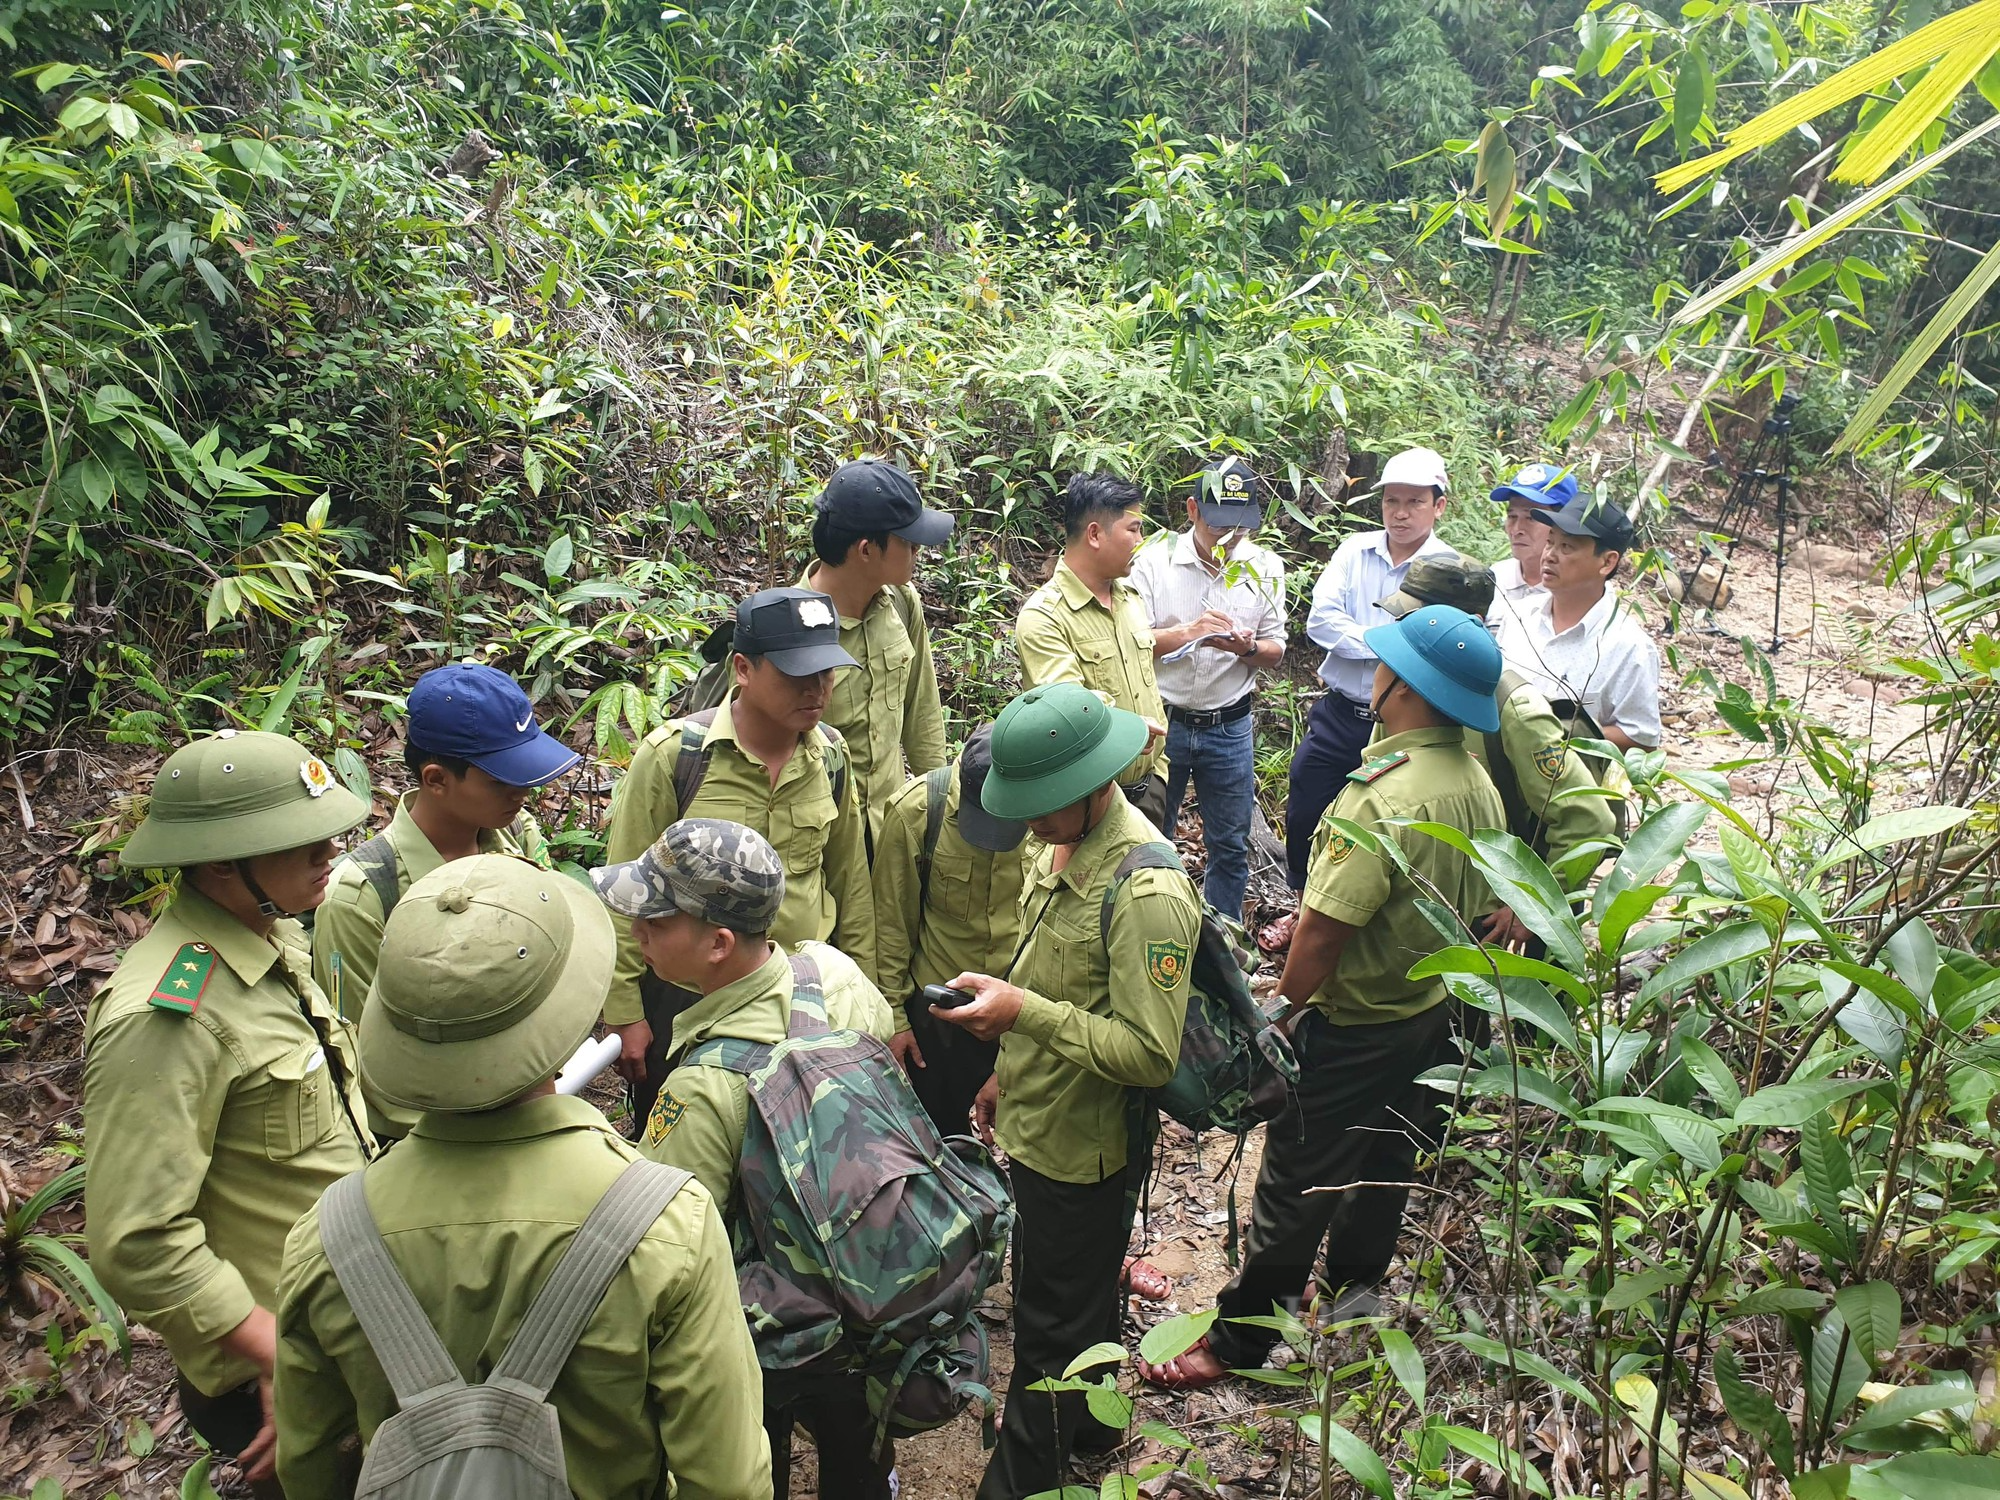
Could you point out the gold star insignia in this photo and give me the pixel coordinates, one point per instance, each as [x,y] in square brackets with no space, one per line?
[192,968]
[180,984]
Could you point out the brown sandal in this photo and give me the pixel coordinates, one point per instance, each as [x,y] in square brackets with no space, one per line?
[1177,1374]
[1142,1279]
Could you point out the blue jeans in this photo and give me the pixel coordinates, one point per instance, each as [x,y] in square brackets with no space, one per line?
[1225,787]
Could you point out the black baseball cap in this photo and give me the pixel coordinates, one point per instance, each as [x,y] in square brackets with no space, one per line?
[870,496]
[1586,515]
[1229,496]
[797,630]
[976,825]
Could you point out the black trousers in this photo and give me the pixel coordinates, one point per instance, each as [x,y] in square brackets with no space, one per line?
[1069,1243]
[1356,1116]
[834,1410]
[956,1066]
[1337,733]
[661,1002]
[228,1422]
[1150,797]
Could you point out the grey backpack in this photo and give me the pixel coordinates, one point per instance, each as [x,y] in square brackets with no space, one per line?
[500,1440]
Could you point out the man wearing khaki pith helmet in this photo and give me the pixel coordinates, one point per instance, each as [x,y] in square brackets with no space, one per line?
[219,1088]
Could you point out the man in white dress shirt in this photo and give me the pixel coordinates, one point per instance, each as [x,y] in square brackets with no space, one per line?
[1217,604]
[1518,577]
[1365,569]
[1581,642]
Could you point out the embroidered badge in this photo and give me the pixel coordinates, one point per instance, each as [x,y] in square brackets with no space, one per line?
[814,614]
[313,772]
[180,988]
[1166,963]
[667,1112]
[1369,770]
[1338,846]
[1549,760]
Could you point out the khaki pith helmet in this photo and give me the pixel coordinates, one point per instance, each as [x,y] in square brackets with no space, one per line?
[236,796]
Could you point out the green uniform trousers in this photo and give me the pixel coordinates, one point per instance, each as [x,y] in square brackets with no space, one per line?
[1069,1244]
[1356,1116]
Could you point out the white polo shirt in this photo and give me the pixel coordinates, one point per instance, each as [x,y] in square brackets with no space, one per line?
[1344,604]
[1606,661]
[1176,588]
[1510,591]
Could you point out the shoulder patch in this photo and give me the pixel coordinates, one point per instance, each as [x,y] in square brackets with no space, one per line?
[1166,962]
[1338,846]
[1549,760]
[180,988]
[1370,770]
[666,1114]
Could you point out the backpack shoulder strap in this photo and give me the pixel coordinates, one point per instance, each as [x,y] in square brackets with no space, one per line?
[376,860]
[603,1242]
[834,748]
[937,790]
[1498,767]
[1155,855]
[808,997]
[393,1322]
[909,608]
[691,758]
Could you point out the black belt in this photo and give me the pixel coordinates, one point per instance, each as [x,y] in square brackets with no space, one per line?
[1209,718]
[1340,700]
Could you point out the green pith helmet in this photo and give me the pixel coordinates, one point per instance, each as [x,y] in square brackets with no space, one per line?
[236,796]
[1055,745]
[492,972]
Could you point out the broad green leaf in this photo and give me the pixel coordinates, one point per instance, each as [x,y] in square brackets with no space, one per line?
[1352,1454]
[1752,1408]
[1874,1314]
[1097,1354]
[1630,1291]
[1779,1299]
[1404,1362]
[1522,882]
[1900,1405]
[1627,910]
[1835,1373]
[1118,1487]
[1173,1337]
[1912,952]
[1942,1476]
[1711,1072]
[1525,999]
[1109,1405]
[1692,86]
[1475,1444]
[561,553]
[194,1483]
[1483,963]
[1891,828]
[1786,1106]
[1503,1080]
[277,712]
[1656,843]
[1705,1486]
[1830,1483]
[1716,950]
[1524,1362]
[1828,1171]
[352,771]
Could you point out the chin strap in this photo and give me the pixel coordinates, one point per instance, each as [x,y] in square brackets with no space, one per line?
[265,904]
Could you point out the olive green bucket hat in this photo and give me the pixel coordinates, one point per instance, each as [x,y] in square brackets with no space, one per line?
[236,796]
[1055,745]
[492,972]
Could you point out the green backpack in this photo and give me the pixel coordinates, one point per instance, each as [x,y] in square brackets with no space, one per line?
[865,1242]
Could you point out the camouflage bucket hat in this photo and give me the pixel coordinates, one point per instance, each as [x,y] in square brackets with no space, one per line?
[1055,745]
[1457,581]
[237,795]
[492,972]
[721,872]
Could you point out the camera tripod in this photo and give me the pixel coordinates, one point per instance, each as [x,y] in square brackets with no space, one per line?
[1769,463]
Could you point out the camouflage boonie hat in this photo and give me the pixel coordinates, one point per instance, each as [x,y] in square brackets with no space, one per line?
[721,872]
[1458,581]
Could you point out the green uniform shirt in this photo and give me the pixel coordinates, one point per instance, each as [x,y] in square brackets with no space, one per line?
[887,708]
[1094,1024]
[1545,769]
[969,919]
[1425,775]
[349,922]
[827,892]
[1065,635]
[210,1132]
[476,1210]
[698,1120]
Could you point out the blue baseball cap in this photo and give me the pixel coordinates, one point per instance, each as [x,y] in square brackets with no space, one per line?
[478,713]
[1449,658]
[1539,484]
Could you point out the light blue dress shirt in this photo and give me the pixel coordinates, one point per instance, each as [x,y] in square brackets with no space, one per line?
[1346,601]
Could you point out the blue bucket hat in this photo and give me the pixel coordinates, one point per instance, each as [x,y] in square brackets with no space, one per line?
[1539,484]
[1449,658]
[474,712]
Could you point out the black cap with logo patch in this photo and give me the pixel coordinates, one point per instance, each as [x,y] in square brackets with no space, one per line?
[797,630]
[1229,496]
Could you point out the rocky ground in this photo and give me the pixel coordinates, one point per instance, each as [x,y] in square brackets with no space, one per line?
[79,1423]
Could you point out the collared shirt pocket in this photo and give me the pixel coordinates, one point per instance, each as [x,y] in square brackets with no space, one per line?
[800,829]
[951,890]
[299,1106]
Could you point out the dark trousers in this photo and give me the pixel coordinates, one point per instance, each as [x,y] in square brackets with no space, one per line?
[1150,797]
[1069,1243]
[956,1066]
[1356,1116]
[834,1410]
[1337,733]
[661,1002]
[228,1422]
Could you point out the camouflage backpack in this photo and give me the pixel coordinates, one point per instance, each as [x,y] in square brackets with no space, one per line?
[1235,1063]
[870,1241]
